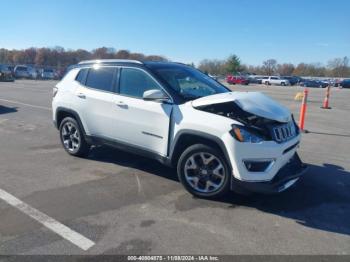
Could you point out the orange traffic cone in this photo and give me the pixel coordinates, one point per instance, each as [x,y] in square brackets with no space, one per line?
[303,111]
[326,99]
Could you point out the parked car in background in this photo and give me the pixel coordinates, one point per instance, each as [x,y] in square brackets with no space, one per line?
[33,73]
[12,69]
[293,80]
[337,82]
[5,73]
[255,79]
[275,80]
[22,71]
[213,76]
[47,73]
[237,80]
[313,83]
[345,83]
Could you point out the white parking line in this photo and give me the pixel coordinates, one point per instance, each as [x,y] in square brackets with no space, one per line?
[25,104]
[60,229]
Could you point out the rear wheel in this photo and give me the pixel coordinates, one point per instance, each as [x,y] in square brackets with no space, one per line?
[283,84]
[204,171]
[72,137]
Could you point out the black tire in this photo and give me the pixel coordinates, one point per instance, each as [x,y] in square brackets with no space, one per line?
[267,83]
[283,84]
[219,159]
[81,148]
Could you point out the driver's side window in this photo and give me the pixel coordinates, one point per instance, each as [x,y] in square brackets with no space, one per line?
[134,82]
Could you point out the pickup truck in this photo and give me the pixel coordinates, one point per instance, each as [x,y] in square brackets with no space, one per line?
[275,80]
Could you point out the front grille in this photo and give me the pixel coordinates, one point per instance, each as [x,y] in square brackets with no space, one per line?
[285,132]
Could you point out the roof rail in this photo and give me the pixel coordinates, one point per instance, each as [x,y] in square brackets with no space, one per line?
[98,61]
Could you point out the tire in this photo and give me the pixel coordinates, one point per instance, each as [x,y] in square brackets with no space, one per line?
[205,180]
[72,138]
[267,83]
[283,84]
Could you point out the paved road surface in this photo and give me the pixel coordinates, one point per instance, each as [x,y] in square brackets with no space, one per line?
[125,204]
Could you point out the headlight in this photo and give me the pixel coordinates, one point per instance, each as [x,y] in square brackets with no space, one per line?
[244,135]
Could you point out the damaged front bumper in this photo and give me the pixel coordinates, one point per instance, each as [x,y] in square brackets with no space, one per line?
[286,177]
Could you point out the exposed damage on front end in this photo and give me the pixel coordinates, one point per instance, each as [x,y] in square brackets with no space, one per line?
[266,138]
[256,112]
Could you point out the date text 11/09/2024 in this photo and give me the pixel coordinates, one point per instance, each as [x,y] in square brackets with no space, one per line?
[173,258]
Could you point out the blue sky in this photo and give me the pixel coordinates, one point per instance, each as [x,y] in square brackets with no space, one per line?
[185,30]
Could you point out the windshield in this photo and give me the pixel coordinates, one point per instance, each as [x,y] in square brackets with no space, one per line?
[189,82]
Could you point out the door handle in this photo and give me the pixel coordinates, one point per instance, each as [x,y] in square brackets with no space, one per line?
[120,103]
[81,95]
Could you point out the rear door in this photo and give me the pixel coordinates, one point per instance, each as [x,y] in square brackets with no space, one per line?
[141,123]
[97,101]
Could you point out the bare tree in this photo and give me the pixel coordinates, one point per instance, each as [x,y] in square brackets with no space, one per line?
[285,69]
[269,66]
[339,67]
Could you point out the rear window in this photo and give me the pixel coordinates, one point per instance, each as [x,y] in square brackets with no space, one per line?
[100,78]
[82,76]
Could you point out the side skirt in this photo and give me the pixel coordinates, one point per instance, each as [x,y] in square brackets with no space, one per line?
[93,140]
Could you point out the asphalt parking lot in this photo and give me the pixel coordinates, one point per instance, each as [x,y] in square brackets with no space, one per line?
[125,204]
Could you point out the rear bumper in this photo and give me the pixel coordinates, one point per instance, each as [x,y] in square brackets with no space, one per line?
[286,177]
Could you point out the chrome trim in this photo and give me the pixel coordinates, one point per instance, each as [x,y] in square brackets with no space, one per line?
[99,61]
[284,132]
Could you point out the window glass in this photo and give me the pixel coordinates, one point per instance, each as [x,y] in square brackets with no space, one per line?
[100,78]
[189,82]
[82,75]
[134,82]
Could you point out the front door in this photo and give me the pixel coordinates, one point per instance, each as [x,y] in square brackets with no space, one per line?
[141,123]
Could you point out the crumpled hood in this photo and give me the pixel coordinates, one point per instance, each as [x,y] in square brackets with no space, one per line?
[252,102]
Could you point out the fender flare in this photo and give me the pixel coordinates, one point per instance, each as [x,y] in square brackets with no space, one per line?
[71,112]
[214,139]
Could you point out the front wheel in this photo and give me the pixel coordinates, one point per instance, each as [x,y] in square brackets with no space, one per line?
[204,171]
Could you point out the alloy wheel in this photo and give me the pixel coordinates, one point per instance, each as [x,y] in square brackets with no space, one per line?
[204,172]
[70,137]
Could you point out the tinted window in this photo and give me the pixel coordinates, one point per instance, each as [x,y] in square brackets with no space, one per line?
[134,82]
[82,76]
[100,78]
[274,78]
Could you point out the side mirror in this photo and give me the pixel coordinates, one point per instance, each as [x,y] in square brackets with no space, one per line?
[155,95]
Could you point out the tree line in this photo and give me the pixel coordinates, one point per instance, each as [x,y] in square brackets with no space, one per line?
[59,57]
[338,67]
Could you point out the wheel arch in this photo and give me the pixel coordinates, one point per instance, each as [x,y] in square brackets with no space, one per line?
[62,112]
[186,138]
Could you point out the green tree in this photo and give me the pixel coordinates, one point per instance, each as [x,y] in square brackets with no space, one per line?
[233,64]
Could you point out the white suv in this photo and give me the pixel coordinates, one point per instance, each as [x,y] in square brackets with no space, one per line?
[275,80]
[218,140]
